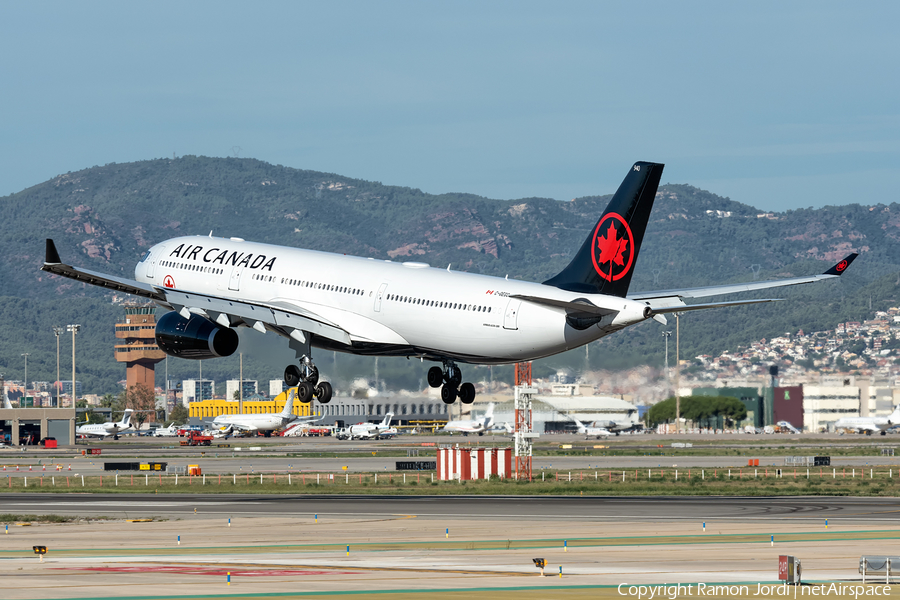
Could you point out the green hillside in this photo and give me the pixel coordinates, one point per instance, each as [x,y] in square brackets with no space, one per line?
[103,218]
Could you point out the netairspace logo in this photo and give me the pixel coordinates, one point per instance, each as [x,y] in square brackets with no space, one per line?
[681,590]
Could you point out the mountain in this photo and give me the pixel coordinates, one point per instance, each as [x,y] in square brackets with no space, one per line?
[104,217]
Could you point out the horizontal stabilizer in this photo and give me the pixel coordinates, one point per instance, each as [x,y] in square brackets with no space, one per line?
[582,306]
[733,288]
[686,307]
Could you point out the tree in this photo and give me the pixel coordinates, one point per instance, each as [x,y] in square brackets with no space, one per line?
[179,415]
[142,400]
[700,409]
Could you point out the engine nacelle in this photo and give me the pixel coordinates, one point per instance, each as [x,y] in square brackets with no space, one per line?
[196,338]
[632,312]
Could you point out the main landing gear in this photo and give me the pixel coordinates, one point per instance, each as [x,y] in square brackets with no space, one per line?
[449,379]
[306,379]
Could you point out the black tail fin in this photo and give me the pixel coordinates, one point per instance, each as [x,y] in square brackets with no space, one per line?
[606,260]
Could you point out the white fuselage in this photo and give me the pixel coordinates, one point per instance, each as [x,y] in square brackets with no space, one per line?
[466,426]
[868,423]
[387,308]
[102,429]
[260,422]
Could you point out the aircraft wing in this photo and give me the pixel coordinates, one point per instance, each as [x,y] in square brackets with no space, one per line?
[673,300]
[287,319]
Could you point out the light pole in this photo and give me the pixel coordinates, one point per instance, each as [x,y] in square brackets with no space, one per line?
[58,331]
[26,355]
[74,329]
[677,375]
[667,335]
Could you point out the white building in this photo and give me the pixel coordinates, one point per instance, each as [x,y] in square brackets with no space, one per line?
[249,388]
[195,390]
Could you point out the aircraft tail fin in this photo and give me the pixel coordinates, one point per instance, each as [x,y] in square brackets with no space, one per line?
[288,409]
[6,402]
[126,418]
[606,260]
[387,420]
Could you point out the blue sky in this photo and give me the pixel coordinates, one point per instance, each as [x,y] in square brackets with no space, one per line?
[776,104]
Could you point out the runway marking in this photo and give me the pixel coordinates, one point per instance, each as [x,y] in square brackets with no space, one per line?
[206,570]
[466,545]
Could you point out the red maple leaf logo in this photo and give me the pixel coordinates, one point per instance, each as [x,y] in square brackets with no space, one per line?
[610,247]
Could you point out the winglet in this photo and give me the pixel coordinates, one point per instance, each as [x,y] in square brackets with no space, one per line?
[839,268]
[52,257]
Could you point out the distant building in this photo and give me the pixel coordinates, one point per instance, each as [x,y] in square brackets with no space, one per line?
[67,388]
[276,386]
[195,390]
[247,387]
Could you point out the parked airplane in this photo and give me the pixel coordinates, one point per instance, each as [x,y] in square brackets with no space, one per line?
[6,402]
[382,308]
[869,425]
[468,426]
[109,428]
[587,432]
[368,431]
[170,431]
[265,422]
[617,427]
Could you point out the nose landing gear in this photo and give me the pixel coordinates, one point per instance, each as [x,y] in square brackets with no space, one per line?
[305,378]
[449,379]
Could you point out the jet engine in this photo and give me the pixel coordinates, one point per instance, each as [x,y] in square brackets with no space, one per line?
[196,338]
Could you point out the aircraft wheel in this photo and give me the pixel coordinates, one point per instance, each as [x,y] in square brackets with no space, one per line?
[313,377]
[435,377]
[292,375]
[467,393]
[324,392]
[448,394]
[115,437]
[304,392]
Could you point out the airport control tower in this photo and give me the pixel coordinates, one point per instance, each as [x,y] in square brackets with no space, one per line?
[138,349]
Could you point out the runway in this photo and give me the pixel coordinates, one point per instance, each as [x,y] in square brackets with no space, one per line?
[632,509]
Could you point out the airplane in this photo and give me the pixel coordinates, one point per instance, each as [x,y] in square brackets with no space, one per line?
[617,427]
[109,428]
[211,285]
[596,432]
[468,426]
[170,431]
[6,402]
[265,422]
[369,431]
[870,425]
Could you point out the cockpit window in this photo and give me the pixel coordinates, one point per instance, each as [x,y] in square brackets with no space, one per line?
[144,255]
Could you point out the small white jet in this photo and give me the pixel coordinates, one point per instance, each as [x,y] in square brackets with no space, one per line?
[368,431]
[468,426]
[870,425]
[170,431]
[110,428]
[616,427]
[265,422]
[595,432]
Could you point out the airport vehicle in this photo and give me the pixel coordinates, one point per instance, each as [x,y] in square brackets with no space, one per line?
[367,431]
[197,439]
[170,431]
[595,432]
[109,428]
[264,422]
[373,307]
[786,427]
[467,426]
[870,425]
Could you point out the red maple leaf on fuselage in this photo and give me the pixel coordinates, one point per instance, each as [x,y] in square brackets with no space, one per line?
[610,248]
